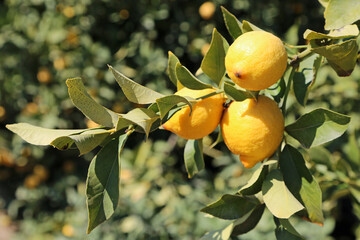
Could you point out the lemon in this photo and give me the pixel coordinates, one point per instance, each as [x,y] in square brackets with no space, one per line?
[204,118]
[207,10]
[253,129]
[256,60]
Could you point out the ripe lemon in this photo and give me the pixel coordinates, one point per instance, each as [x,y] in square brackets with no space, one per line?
[256,60]
[253,129]
[204,118]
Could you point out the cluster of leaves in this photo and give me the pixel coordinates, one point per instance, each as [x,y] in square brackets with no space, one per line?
[286,185]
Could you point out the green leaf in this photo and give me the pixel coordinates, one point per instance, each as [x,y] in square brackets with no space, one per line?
[187,79]
[339,13]
[277,90]
[324,3]
[102,187]
[85,141]
[235,92]
[213,64]
[248,27]
[230,207]
[253,186]
[285,231]
[141,117]
[173,60]
[222,234]
[305,77]
[38,135]
[318,127]
[250,222]
[352,151]
[232,24]
[166,103]
[301,183]
[91,109]
[193,157]
[133,91]
[277,197]
[344,32]
[218,140]
[341,57]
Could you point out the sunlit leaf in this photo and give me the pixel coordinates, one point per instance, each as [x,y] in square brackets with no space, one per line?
[301,183]
[187,79]
[230,207]
[248,27]
[277,197]
[173,60]
[213,64]
[277,90]
[222,234]
[102,186]
[232,24]
[133,91]
[87,105]
[339,13]
[235,92]
[253,186]
[166,103]
[344,32]
[318,127]
[193,157]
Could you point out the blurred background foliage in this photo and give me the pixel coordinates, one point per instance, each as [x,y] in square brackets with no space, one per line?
[42,190]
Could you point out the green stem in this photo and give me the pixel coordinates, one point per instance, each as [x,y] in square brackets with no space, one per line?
[210,94]
[293,46]
[300,57]
[287,90]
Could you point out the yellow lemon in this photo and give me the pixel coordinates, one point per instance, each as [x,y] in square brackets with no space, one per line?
[204,118]
[256,60]
[207,10]
[253,129]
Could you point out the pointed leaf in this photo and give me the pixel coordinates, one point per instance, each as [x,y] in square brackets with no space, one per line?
[102,187]
[285,231]
[277,90]
[87,105]
[305,77]
[344,32]
[236,93]
[318,127]
[133,91]
[339,13]
[250,222]
[341,57]
[188,80]
[301,183]
[166,103]
[38,135]
[222,234]
[248,27]
[230,207]
[254,184]
[277,197]
[193,157]
[85,141]
[213,64]
[142,117]
[173,60]
[232,24]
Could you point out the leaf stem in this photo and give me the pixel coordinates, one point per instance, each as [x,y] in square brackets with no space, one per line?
[287,90]
[295,46]
[300,57]
[210,94]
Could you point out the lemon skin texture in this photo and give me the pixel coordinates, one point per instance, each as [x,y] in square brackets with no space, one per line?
[205,116]
[253,130]
[256,60]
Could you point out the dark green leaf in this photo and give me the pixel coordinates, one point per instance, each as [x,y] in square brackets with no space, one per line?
[254,184]
[85,141]
[213,64]
[339,13]
[250,222]
[301,183]
[91,109]
[166,103]
[318,127]
[193,157]
[344,32]
[236,93]
[248,27]
[230,207]
[277,197]
[102,187]
[187,79]
[142,117]
[285,231]
[232,24]
[173,60]
[341,57]
[277,90]
[305,77]
[133,91]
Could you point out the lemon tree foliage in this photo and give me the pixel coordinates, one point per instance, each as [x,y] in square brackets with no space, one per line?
[282,183]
